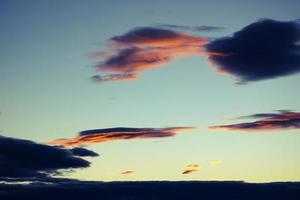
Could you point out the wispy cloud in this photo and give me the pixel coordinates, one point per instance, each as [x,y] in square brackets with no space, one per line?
[157,37]
[115,77]
[120,133]
[190,169]
[265,121]
[144,48]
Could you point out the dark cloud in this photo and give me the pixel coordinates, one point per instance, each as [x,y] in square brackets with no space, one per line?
[26,160]
[191,28]
[191,190]
[265,115]
[189,171]
[266,121]
[82,152]
[262,50]
[119,133]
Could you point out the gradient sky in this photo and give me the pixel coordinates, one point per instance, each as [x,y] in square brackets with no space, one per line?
[46,91]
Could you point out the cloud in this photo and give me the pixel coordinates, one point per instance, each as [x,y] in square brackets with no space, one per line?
[157,37]
[82,152]
[265,121]
[127,172]
[215,163]
[115,77]
[265,49]
[191,28]
[190,169]
[262,50]
[119,133]
[23,159]
[144,48]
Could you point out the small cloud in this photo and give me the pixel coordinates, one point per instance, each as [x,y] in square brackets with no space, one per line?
[120,133]
[191,169]
[215,163]
[127,173]
[283,120]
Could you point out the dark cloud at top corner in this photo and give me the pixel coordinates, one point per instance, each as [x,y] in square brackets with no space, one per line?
[262,50]
[24,159]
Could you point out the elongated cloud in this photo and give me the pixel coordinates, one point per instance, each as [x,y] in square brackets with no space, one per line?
[129,172]
[119,133]
[115,77]
[190,169]
[262,50]
[266,121]
[144,48]
[27,160]
[157,37]
[82,152]
[191,28]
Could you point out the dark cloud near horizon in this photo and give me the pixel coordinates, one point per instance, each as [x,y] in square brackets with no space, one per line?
[262,50]
[266,121]
[119,133]
[26,160]
[191,28]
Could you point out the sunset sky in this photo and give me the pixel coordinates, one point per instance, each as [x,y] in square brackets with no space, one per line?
[161,90]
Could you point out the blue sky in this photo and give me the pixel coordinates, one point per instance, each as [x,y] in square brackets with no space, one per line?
[46,91]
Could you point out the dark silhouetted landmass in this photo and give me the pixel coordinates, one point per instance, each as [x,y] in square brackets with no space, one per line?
[185,190]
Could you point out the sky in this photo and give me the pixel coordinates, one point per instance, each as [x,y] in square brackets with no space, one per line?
[203,97]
